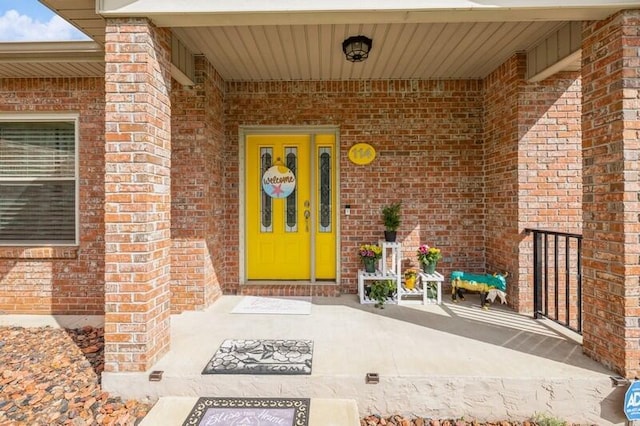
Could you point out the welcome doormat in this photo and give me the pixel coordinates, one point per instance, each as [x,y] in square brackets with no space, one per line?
[273,305]
[249,412]
[288,357]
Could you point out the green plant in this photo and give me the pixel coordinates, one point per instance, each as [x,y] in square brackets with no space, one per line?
[381,290]
[391,216]
[547,420]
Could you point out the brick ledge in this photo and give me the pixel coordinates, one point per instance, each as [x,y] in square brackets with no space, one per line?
[15,252]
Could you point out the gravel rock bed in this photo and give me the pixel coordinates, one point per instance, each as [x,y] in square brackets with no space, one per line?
[403,421]
[52,377]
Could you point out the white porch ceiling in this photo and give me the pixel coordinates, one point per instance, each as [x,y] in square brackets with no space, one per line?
[400,51]
[245,42]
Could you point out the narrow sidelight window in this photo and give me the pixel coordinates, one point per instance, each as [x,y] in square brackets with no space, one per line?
[325,190]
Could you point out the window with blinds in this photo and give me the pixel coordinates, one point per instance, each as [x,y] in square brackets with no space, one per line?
[38,182]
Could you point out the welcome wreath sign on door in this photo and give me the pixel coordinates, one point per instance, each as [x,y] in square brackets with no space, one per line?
[278,181]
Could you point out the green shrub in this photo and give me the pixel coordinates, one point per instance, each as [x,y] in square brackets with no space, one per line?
[541,419]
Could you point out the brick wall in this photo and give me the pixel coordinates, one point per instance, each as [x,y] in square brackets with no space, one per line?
[197,174]
[40,280]
[610,128]
[533,168]
[137,194]
[428,137]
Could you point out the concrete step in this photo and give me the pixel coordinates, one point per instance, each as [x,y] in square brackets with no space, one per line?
[173,411]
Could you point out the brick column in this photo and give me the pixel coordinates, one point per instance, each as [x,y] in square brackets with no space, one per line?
[611,207]
[501,94]
[137,194]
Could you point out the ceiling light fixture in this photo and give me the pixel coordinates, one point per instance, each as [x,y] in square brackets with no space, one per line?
[357,48]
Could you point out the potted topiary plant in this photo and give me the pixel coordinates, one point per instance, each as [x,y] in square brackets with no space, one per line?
[391,220]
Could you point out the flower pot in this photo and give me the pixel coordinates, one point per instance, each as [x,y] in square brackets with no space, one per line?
[369,264]
[410,283]
[390,236]
[429,268]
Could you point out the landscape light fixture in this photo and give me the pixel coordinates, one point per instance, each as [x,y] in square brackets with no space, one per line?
[357,48]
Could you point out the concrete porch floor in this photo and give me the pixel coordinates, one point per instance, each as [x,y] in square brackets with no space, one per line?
[433,361]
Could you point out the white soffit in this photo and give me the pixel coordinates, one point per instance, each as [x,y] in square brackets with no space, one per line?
[51,59]
[80,13]
[72,51]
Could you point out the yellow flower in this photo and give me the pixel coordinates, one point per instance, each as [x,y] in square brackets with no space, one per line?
[410,273]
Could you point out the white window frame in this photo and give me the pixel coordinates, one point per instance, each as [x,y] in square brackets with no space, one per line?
[49,118]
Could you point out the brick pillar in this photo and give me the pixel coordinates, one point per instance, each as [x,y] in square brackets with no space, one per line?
[501,91]
[611,153]
[137,194]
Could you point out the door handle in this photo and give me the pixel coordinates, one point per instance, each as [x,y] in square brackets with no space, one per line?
[307,215]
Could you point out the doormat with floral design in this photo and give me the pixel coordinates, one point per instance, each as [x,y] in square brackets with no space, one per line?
[288,357]
[249,411]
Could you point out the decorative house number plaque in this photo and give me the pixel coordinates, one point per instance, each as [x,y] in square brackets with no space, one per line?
[362,153]
[278,182]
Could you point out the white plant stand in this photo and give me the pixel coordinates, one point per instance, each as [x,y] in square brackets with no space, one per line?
[435,278]
[388,269]
[363,277]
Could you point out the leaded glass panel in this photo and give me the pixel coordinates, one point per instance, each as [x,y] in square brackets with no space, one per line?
[324,189]
[291,204]
[266,202]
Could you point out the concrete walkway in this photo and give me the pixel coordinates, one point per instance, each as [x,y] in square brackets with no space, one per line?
[433,361]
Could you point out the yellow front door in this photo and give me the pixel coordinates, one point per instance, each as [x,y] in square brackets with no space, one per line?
[290,212]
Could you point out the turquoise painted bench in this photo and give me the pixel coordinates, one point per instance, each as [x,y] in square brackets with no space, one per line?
[489,286]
